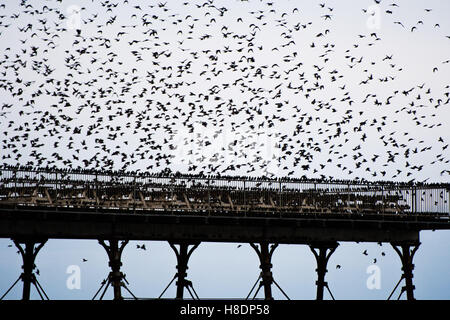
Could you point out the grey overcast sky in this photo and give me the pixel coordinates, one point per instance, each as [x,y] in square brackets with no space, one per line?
[343,89]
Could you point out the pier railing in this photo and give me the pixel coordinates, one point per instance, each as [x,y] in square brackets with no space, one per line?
[178,193]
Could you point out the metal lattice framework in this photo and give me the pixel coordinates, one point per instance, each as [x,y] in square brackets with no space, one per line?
[177,193]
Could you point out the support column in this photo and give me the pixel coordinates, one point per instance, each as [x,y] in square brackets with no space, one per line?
[183,254]
[265,258]
[28,249]
[406,256]
[322,256]
[115,277]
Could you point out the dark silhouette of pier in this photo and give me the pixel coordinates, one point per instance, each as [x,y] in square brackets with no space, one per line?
[185,210]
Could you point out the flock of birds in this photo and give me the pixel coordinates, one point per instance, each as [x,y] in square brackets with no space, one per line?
[130,84]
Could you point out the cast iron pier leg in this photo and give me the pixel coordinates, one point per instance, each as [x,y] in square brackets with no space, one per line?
[28,253]
[183,254]
[114,255]
[406,256]
[322,258]
[265,258]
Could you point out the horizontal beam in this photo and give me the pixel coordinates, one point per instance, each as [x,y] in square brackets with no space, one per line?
[152,226]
